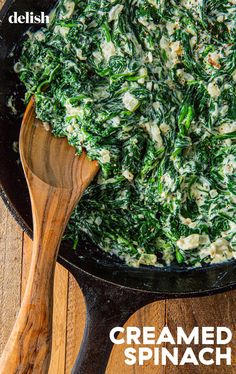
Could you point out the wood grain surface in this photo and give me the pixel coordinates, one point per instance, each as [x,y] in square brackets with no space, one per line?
[69,309]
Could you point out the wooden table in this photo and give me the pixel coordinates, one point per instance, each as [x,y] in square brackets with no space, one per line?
[69,309]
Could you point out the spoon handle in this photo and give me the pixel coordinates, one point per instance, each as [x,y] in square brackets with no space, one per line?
[29,346]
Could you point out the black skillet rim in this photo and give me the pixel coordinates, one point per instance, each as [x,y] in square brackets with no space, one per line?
[68,260]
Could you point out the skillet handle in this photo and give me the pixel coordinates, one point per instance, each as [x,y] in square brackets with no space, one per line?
[107,306]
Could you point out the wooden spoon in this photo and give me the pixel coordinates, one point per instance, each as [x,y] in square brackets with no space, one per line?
[56,180]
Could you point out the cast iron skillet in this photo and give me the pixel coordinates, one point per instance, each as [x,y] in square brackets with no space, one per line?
[112,290]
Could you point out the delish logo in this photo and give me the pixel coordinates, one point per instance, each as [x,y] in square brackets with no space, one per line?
[28,18]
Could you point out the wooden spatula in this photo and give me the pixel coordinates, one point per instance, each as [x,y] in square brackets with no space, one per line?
[56,180]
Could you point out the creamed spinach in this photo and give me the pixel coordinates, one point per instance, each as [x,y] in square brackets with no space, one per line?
[148,88]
